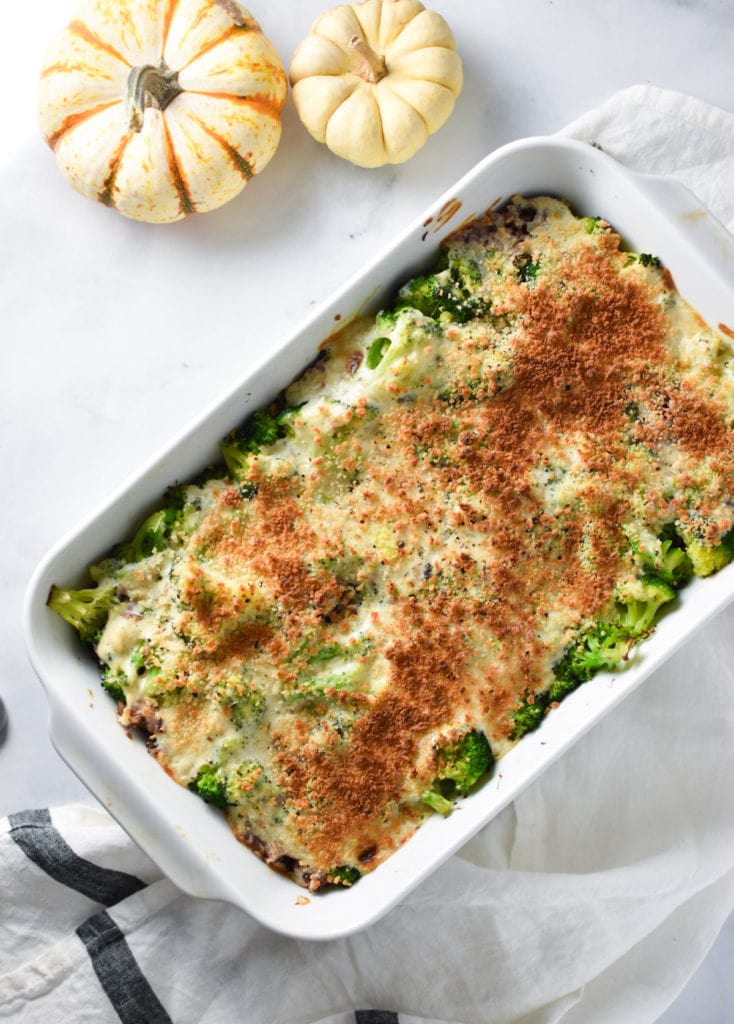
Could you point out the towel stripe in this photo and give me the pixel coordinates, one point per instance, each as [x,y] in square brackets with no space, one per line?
[375,1017]
[119,974]
[42,843]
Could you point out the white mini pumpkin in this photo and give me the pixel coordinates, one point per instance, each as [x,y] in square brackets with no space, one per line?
[161,108]
[373,80]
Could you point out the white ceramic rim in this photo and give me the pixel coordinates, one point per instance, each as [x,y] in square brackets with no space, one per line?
[190,841]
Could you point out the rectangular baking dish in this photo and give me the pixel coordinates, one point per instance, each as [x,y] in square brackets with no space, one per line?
[188,839]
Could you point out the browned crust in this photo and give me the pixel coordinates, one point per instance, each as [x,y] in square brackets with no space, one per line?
[579,347]
[272,855]
[586,338]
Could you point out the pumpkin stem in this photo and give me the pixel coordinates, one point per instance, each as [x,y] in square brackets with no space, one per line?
[372,66]
[148,86]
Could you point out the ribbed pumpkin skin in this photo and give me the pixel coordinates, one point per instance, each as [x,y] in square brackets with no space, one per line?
[379,109]
[196,153]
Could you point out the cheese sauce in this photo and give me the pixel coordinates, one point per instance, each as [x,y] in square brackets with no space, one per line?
[458,496]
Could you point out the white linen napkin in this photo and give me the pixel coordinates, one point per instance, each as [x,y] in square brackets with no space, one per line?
[658,131]
[591,900]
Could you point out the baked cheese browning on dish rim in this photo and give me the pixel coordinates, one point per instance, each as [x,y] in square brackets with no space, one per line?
[463,510]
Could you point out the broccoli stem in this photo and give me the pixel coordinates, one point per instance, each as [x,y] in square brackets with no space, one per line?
[376,351]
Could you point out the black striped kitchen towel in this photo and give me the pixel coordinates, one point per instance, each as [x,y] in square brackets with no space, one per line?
[90,931]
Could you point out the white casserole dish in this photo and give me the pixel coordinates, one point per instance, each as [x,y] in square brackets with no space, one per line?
[189,840]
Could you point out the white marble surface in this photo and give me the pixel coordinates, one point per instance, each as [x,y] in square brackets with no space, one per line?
[85,398]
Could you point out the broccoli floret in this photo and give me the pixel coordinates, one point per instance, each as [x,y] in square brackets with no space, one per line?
[152,535]
[236,457]
[466,278]
[327,653]
[345,875]
[112,682]
[708,560]
[437,802]
[336,650]
[460,765]
[670,561]
[244,779]
[144,660]
[136,659]
[86,610]
[316,687]
[673,565]
[210,785]
[247,784]
[248,706]
[649,261]
[465,761]
[643,258]
[426,294]
[308,685]
[399,337]
[604,646]
[449,295]
[591,224]
[529,713]
[527,268]
[640,600]
[465,272]
[263,428]
[386,320]
[530,271]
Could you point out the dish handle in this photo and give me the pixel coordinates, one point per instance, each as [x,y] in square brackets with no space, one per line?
[690,216]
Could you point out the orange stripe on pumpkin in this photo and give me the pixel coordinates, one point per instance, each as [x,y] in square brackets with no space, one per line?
[78,28]
[259,104]
[65,67]
[243,166]
[233,30]
[122,13]
[179,181]
[194,24]
[171,8]
[75,119]
[108,186]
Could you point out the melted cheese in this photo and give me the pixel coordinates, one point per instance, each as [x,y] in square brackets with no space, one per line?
[434,533]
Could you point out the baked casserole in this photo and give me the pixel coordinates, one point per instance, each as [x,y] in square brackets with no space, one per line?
[466,507]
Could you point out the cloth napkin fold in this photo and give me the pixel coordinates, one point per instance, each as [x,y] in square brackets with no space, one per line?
[590,900]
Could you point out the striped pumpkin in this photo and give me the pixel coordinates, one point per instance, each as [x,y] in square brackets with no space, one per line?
[161,108]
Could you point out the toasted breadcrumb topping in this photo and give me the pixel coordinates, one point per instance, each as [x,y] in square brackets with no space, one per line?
[458,499]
